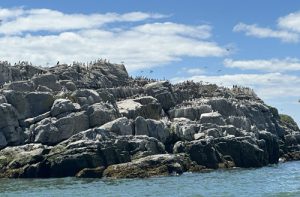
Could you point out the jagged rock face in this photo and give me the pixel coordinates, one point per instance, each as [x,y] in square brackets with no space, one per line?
[22,71]
[89,149]
[88,120]
[243,151]
[97,75]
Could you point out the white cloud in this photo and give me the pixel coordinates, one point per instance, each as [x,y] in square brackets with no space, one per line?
[262,32]
[201,32]
[271,65]
[194,71]
[267,86]
[20,20]
[290,22]
[82,37]
[10,13]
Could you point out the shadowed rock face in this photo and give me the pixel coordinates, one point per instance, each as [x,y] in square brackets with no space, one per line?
[94,120]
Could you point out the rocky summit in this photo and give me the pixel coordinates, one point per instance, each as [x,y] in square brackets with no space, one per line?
[93,120]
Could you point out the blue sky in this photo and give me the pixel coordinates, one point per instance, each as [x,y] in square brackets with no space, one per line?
[253,43]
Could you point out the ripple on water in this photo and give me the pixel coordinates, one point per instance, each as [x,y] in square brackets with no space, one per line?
[277,180]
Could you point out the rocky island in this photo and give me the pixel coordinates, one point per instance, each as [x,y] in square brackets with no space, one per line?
[93,120]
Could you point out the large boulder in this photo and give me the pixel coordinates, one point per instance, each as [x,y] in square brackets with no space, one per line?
[86,97]
[115,73]
[39,102]
[244,151]
[29,104]
[213,118]
[8,115]
[147,107]
[5,73]
[152,128]
[224,106]
[101,113]
[52,131]
[61,106]
[271,148]
[120,126]
[184,129]
[23,161]
[10,131]
[240,122]
[18,100]
[21,86]
[91,172]
[202,152]
[2,99]
[192,113]
[3,141]
[154,165]
[68,84]
[47,80]
[163,92]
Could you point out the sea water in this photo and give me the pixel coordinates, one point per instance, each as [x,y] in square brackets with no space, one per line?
[276,180]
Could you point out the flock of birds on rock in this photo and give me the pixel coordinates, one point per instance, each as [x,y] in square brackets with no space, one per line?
[101,60]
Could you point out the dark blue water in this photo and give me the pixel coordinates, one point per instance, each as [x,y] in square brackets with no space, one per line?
[277,180]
